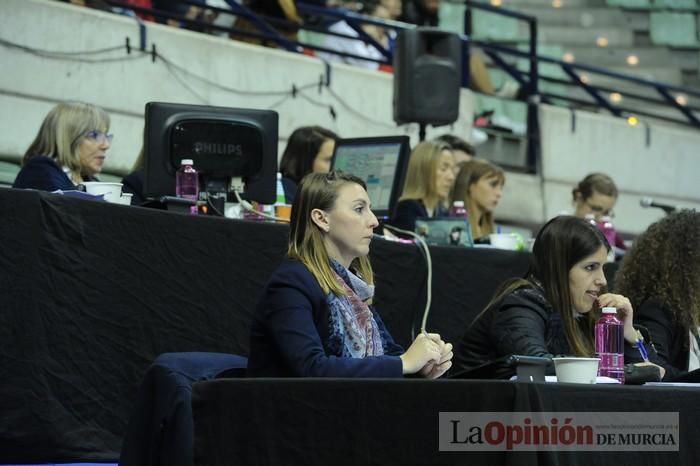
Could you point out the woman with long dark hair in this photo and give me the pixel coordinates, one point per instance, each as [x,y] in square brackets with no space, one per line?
[552,310]
[309,150]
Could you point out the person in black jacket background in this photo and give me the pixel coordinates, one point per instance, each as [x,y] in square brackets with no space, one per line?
[661,275]
[553,309]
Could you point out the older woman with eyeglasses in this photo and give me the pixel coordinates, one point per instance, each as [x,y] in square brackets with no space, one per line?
[69,149]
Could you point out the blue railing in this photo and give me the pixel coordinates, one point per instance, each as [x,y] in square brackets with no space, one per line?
[267,30]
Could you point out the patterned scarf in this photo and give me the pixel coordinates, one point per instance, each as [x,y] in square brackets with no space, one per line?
[351,319]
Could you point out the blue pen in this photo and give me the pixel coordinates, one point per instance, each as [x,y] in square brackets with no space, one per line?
[642,349]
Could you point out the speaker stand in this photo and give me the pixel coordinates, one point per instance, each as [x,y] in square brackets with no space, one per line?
[421,131]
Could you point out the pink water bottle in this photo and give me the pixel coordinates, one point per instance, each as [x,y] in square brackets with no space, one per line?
[608,230]
[458,210]
[187,183]
[609,345]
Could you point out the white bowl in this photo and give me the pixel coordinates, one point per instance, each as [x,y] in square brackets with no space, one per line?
[576,370]
[504,241]
[112,192]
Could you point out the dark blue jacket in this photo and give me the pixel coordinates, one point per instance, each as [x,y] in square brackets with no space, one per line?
[290,189]
[408,210]
[290,333]
[134,183]
[43,173]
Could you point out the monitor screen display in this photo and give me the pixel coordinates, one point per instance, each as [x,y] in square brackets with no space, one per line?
[381,162]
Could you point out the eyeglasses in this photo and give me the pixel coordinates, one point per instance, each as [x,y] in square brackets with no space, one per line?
[99,136]
[600,211]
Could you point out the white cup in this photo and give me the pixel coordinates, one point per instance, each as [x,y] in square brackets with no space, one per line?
[112,192]
[504,241]
[576,370]
[125,199]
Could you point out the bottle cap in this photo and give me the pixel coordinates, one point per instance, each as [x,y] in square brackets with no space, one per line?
[279,175]
[186,162]
[609,310]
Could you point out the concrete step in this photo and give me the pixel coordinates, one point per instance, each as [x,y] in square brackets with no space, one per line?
[633,105]
[668,76]
[625,89]
[646,56]
[515,4]
[587,17]
[565,36]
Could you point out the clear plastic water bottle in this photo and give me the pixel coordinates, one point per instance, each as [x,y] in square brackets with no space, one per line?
[187,181]
[609,345]
[606,226]
[458,210]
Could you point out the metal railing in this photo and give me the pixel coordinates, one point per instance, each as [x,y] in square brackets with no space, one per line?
[318,18]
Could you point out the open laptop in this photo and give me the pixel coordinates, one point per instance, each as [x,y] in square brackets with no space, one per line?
[445,231]
[381,162]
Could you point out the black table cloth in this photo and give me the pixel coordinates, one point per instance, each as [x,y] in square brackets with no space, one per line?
[92,292]
[317,422]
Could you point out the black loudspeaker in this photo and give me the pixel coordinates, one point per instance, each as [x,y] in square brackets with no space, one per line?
[427,76]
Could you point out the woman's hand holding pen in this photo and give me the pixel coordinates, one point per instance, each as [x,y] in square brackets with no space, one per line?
[429,355]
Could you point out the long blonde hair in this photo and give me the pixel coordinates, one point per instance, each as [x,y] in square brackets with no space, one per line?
[469,174]
[62,131]
[320,191]
[420,174]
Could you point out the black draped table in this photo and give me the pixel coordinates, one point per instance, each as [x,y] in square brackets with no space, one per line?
[92,292]
[316,422]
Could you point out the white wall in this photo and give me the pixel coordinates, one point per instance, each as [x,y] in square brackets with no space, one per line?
[667,168]
[215,69]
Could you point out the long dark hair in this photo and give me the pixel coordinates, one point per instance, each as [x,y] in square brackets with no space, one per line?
[302,148]
[560,244]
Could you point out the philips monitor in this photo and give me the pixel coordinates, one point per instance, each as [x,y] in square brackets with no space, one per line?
[226,145]
[381,162]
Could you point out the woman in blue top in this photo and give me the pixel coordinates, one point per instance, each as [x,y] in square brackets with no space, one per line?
[69,149]
[315,317]
[429,179]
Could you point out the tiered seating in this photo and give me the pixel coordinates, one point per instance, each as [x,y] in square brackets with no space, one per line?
[651,39]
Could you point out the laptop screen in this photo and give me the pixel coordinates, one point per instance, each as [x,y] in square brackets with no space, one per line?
[445,231]
[379,161]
